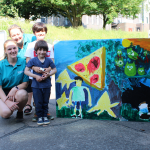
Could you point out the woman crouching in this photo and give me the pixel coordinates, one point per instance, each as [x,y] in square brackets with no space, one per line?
[13,81]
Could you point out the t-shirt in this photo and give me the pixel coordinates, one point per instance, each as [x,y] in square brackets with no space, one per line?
[36,62]
[27,38]
[78,93]
[11,76]
[31,53]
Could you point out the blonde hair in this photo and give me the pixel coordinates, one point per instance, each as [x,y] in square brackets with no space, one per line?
[14,26]
[5,45]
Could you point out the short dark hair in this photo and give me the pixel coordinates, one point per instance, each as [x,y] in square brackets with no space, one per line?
[39,26]
[78,78]
[41,44]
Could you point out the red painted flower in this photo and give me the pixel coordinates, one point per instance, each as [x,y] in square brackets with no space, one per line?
[93,64]
[94,78]
[80,67]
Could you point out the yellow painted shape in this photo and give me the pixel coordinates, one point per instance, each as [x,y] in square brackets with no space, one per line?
[64,78]
[104,104]
[100,84]
[126,43]
[62,101]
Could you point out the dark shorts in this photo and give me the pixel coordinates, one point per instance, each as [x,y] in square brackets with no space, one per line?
[29,88]
[6,91]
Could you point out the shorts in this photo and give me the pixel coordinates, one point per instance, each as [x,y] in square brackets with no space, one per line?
[29,88]
[6,91]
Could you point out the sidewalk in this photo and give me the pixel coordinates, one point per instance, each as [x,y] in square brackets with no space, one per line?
[73,134]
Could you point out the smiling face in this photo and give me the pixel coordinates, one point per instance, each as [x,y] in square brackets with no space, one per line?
[40,35]
[16,35]
[11,50]
[41,53]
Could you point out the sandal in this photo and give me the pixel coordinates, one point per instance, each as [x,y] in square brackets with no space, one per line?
[28,111]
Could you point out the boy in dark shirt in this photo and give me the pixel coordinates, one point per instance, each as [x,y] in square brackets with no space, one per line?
[41,82]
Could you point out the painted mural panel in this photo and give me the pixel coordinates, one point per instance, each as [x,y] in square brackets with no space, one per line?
[103,79]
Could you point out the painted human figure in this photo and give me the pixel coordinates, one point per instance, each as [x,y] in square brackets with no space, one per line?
[77,95]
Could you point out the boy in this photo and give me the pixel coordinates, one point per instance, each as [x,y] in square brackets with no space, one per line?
[40,30]
[41,82]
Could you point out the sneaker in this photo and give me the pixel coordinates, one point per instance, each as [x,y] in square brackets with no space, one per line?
[45,120]
[35,118]
[73,116]
[79,116]
[50,117]
[40,121]
[19,117]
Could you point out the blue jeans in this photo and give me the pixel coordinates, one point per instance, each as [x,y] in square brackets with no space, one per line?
[41,99]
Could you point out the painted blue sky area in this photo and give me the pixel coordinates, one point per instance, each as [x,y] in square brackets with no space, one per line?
[65,50]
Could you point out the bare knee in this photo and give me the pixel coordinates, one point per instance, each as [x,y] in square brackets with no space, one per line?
[21,95]
[6,113]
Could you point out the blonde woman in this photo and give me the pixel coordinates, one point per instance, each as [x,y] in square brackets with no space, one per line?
[13,81]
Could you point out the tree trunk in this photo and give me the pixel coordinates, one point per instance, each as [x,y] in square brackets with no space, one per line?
[105,19]
[77,21]
[27,15]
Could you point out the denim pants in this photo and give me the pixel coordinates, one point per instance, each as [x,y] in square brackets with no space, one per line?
[41,99]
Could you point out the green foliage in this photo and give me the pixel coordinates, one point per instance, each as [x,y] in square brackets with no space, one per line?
[65,112]
[72,9]
[7,9]
[110,9]
[28,8]
[130,114]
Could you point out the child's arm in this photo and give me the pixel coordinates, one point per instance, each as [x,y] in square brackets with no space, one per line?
[46,74]
[28,73]
[27,59]
[89,97]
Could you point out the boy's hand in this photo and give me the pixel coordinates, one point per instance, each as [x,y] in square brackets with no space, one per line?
[45,75]
[38,78]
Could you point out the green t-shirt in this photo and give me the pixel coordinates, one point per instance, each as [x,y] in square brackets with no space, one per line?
[11,76]
[78,93]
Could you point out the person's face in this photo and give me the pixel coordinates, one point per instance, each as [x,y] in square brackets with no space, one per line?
[16,35]
[41,53]
[11,50]
[40,35]
[78,82]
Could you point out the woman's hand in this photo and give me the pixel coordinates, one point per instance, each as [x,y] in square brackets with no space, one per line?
[48,69]
[11,94]
[37,69]
[11,105]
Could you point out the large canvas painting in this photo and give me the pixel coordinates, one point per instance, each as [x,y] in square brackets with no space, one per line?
[105,79]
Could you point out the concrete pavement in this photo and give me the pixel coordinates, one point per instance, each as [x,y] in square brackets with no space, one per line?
[73,134]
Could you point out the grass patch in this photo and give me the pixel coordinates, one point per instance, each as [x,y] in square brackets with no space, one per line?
[63,33]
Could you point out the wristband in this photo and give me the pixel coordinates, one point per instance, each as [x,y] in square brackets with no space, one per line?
[17,87]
